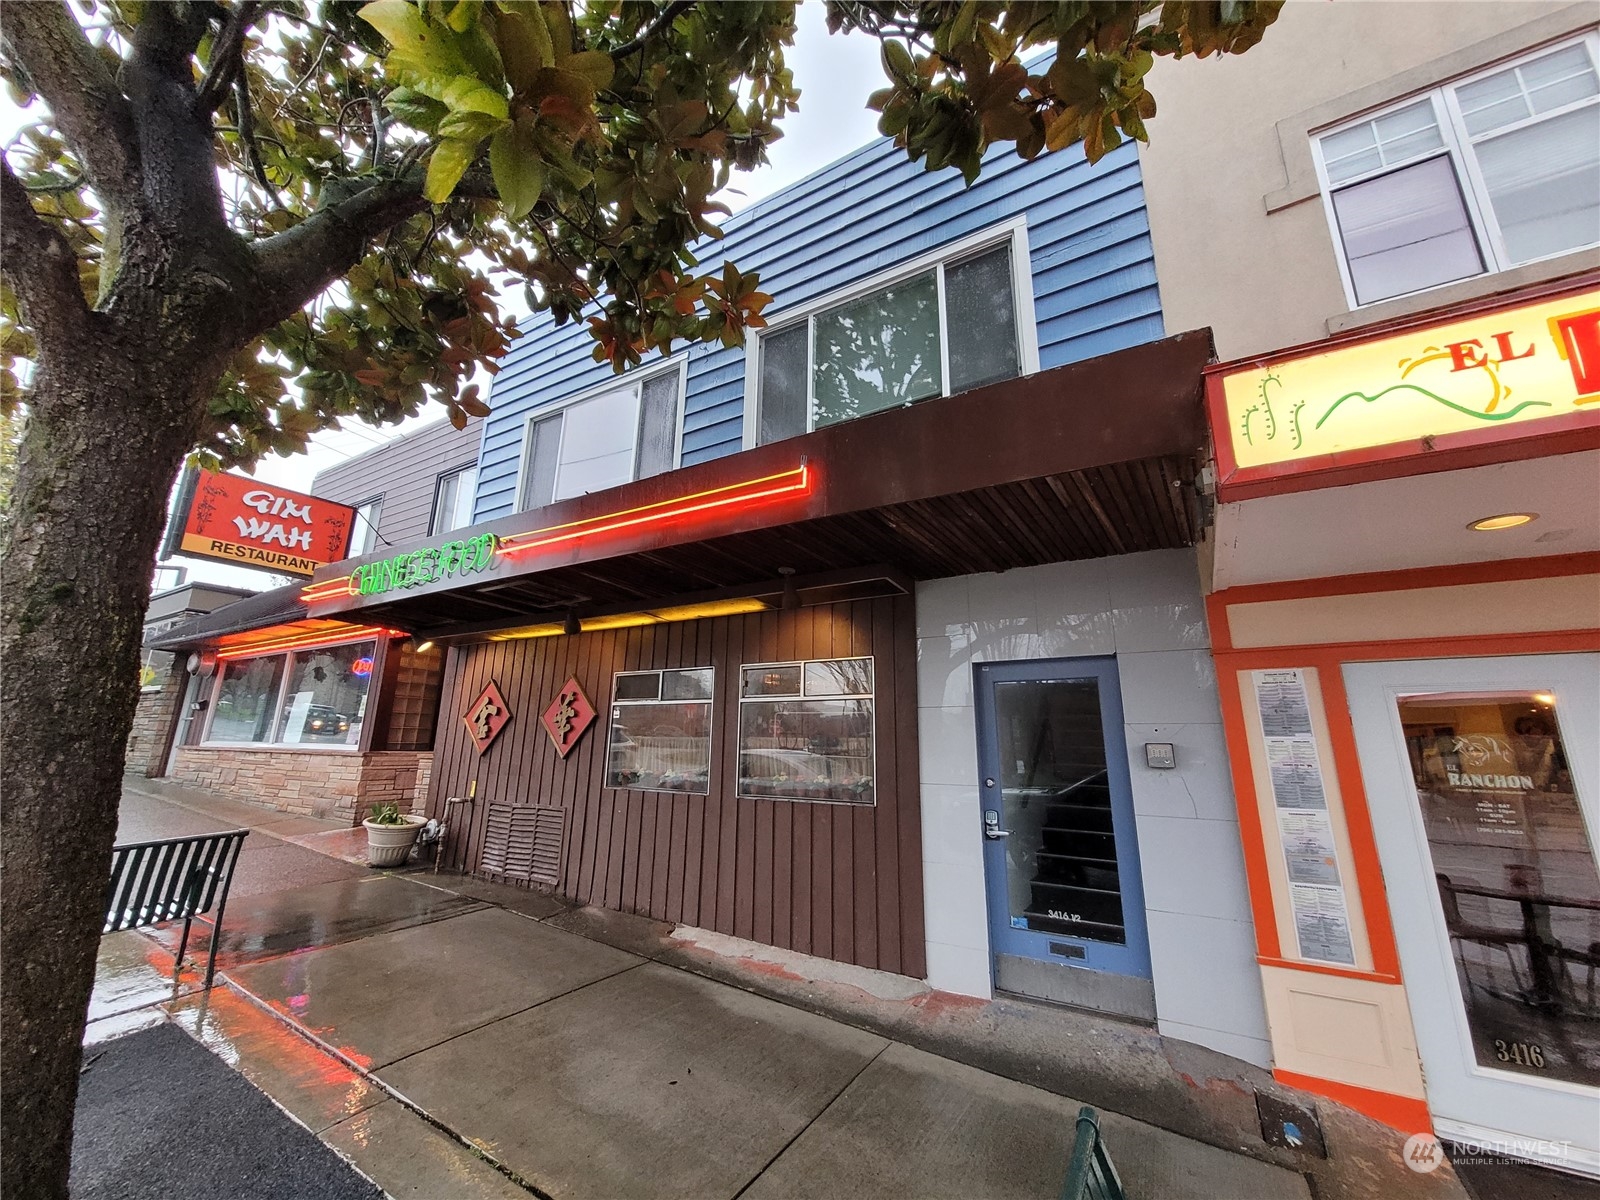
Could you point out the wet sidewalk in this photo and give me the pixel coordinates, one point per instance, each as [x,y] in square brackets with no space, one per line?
[456,1038]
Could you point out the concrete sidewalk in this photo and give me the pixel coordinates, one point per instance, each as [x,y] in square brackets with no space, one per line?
[458,1038]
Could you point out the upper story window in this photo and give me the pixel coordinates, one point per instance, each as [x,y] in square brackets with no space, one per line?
[626,432]
[1482,175]
[453,498]
[938,326]
[364,535]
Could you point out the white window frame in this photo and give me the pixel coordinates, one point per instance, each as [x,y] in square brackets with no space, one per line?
[438,486]
[636,379]
[207,743]
[1014,231]
[1457,147]
[711,726]
[371,524]
[802,695]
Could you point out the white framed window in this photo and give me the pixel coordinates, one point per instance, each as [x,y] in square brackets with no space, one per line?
[627,430]
[315,697]
[806,731]
[940,324]
[1486,173]
[453,497]
[364,535]
[661,731]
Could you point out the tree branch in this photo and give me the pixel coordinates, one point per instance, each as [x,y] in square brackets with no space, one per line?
[39,262]
[77,86]
[663,19]
[227,57]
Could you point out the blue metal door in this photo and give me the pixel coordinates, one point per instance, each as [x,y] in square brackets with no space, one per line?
[1061,861]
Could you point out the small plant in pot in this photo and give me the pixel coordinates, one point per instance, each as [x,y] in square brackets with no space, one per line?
[391,834]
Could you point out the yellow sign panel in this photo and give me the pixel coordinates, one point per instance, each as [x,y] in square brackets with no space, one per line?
[1492,371]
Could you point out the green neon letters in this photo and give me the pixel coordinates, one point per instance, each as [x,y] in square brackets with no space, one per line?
[428,565]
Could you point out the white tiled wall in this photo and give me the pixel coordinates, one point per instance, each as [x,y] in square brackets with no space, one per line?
[1147,610]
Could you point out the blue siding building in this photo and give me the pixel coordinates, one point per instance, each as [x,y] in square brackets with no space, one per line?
[872,612]
[1089,253]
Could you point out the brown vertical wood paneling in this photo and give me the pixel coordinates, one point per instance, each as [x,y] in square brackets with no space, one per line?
[843,881]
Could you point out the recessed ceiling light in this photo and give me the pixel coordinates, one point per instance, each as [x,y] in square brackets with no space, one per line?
[1503,521]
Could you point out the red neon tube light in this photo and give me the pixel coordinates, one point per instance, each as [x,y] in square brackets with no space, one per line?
[307,641]
[785,483]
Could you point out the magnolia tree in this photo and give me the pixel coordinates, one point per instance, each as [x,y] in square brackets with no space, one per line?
[231,225]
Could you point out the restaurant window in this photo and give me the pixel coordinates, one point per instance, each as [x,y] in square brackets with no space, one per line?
[806,732]
[1485,174]
[314,697]
[364,533]
[661,731]
[453,499]
[942,328]
[619,435]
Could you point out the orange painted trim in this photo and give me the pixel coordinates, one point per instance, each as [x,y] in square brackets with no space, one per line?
[1247,802]
[1316,968]
[1358,823]
[1405,1113]
[1477,645]
[1218,622]
[1454,575]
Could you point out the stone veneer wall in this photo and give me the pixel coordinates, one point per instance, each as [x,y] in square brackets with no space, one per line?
[147,740]
[325,784]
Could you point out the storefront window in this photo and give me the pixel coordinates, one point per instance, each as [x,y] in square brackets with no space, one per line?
[326,697]
[661,731]
[312,697]
[1515,868]
[247,700]
[805,731]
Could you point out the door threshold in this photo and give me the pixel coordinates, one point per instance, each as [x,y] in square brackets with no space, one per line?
[1081,1009]
[1127,997]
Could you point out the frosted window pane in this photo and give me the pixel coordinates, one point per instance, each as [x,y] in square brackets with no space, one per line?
[1544,183]
[1350,152]
[452,506]
[783,384]
[538,488]
[594,474]
[1405,231]
[597,443]
[981,320]
[1492,102]
[658,425]
[1408,133]
[878,352]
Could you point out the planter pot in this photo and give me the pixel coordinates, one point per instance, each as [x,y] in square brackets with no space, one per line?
[390,845]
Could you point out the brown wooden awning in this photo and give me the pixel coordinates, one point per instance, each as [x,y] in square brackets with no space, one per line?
[1091,459]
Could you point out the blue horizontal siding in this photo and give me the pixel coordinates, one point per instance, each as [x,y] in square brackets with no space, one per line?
[1089,244]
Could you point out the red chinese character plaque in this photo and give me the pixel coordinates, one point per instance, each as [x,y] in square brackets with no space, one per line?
[569,714]
[487,717]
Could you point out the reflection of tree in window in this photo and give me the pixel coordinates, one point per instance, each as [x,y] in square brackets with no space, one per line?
[878,352]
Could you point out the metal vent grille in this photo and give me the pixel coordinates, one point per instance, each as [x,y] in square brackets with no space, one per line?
[523,841]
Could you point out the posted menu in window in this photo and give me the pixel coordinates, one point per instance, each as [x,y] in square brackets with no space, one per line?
[1305,830]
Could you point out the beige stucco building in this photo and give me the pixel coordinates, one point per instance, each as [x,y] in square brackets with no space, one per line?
[1389,214]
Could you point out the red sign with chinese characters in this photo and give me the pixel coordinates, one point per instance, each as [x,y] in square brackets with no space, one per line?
[487,716]
[249,524]
[569,714]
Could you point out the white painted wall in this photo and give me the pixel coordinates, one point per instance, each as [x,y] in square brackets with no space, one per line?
[1147,610]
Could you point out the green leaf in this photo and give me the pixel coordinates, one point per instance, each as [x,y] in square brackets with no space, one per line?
[449,163]
[414,44]
[467,93]
[898,62]
[522,52]
[470,126]
[518,171]
[415,109]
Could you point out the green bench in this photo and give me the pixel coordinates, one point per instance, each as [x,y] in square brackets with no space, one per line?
[1090,1175]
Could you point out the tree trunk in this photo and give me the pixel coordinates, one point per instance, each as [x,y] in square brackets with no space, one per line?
[109,425]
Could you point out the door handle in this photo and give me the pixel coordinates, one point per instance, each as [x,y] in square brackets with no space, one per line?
[994,834]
